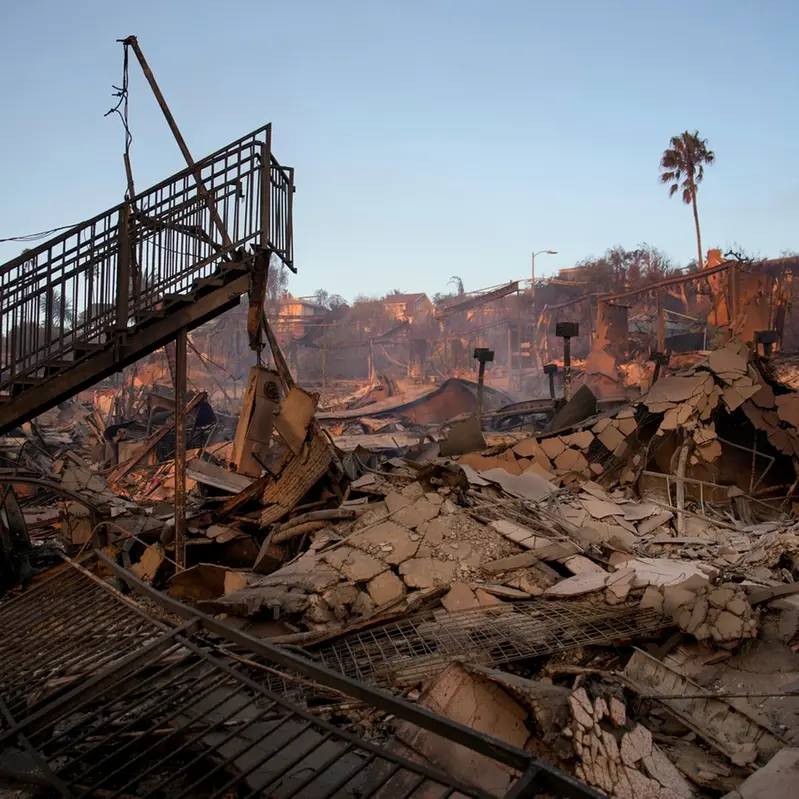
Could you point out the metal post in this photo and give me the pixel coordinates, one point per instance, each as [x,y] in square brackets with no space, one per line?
[519,338]
[660,359]
[180,450]
[266,188]
[324,355]
[567,331]
[550,370]
[131,41]
[123,268]
[567,368]
[481,373]
[510,354]
[483,357]
[372,359]
[661,323]
[732,280]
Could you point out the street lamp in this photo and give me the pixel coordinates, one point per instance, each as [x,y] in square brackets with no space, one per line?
[540,252]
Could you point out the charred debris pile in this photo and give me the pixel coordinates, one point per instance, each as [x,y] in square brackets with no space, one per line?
[618,595]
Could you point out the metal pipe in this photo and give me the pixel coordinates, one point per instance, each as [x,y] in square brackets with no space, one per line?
[481,373]
[180,449]
[132,42]
[567,368]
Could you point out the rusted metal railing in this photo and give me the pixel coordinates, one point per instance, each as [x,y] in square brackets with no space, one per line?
[98,279]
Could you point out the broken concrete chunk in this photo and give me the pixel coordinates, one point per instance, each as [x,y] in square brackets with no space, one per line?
[528,448]
[600,509]
[504,591]
[435,531]
[659,571]
[653,522]
[579,564]
[720,614]
[635,745]
[527,486]
[395,502]
[149,563]
[416,515]
[674,389]
[205,581]
[571,460]
[618,586]
[617,711]
[523,536]
[459,597]
[480,704]
[582,709]
[385,588]
[389,541]
[661,769]
[726,360]
[778,778]
[611,437]
[413,491]
[427,572]
[353,564]
[576,586]
[552,447]
[582,439]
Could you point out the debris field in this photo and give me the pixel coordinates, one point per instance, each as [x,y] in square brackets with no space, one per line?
[618,597]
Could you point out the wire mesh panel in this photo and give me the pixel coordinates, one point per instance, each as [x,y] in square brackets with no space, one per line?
[412,650]
[61,633]
[162,712]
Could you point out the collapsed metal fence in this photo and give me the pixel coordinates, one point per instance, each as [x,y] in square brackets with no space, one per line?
[98,698]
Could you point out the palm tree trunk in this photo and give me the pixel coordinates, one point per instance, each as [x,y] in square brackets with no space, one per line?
[700,261]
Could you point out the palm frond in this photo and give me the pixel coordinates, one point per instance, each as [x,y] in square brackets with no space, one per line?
[683,164]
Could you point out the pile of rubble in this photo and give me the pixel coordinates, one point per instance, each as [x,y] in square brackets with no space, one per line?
[600,587]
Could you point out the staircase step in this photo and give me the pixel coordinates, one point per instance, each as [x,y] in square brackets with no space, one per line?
[55,366]
[179,299]
[25,384]
[233,266]
[81,348]
[143,318]
[213,282]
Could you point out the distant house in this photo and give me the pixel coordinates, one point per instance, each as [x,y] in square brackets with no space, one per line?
[407,307]
[294,314]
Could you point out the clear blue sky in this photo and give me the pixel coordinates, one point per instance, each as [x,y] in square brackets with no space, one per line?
[430,139]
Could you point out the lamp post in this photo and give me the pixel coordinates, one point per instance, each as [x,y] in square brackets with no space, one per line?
[540,252]
[532,301]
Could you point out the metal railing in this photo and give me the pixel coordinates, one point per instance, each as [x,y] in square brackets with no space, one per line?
[96,278]
[105,700]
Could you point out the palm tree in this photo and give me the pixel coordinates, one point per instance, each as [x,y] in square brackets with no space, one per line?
[458,284]
[683,166]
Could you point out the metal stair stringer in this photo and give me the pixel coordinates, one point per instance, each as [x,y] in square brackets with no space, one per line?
[102,363]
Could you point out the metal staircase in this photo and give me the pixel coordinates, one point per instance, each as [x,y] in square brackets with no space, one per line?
[93,300]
